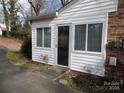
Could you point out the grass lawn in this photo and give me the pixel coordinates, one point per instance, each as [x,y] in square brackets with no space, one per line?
[19,60]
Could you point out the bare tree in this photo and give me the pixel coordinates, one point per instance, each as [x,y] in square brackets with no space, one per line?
[10,10]
[36,6]
[50,6]
[65,2]
[6,17]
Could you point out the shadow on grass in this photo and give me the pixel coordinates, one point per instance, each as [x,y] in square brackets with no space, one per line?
[17,59]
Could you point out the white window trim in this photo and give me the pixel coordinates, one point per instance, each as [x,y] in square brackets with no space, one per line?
[38,47]
[85,51]
[42,37]
[86,42]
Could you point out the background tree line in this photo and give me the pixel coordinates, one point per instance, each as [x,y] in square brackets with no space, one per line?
[17,28]
[12,10]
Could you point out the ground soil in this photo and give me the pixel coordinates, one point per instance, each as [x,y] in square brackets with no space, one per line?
[11,44]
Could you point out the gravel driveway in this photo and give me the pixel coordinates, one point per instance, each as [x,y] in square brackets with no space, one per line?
[14,80]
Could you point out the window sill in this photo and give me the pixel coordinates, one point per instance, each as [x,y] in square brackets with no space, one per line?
[86,52]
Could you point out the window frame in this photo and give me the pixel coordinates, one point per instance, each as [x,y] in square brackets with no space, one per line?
[43,37]
[86,42]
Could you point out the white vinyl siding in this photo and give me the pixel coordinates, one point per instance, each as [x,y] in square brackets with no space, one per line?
[81,12]
[38,53]
[87,11]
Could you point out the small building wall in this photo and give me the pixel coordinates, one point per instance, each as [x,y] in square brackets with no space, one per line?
[116,34]
[0,32]
[81,12]
[38,53]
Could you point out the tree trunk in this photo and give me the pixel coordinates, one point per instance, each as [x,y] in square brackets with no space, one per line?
[6,18]
[65,2]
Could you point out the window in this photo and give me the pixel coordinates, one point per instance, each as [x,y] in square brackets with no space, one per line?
[80,37]
[39,37]
[88,37]
[44,37]
[47,37]
[94,37]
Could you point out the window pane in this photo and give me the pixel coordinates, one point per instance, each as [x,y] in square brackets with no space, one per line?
[80,37]
[95,37]
[47,37]
[39,37]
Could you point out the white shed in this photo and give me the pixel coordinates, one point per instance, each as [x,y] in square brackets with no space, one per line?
[74,37]
[0,32]
[2,28]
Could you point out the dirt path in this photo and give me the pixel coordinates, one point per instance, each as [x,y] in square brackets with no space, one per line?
[11,44]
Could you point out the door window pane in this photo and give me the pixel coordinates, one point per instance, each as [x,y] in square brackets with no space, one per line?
[80,37]
[95,37]
[47,37]
[39,37]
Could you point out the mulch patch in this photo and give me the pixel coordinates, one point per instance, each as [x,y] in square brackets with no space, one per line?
[95,84]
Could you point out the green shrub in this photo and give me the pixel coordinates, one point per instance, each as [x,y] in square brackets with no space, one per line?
[4,33]
[26,48]
[18,34]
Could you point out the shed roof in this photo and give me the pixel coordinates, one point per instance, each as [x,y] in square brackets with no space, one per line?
[43,17]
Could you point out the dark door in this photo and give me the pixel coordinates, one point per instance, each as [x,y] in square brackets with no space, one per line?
[63,45]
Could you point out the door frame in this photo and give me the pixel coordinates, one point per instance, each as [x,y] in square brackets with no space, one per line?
[70,44]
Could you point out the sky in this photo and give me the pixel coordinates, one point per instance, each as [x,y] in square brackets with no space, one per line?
[49,6]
